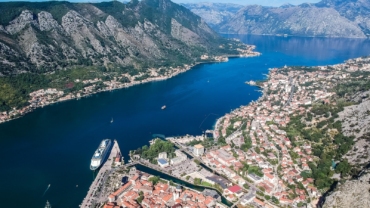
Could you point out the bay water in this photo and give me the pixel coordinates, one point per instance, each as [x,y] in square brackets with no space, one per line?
[53,145]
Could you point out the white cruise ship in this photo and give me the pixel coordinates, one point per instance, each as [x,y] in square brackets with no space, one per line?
[100,154]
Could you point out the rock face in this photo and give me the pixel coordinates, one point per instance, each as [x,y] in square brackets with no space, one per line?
[48,36]
[214,13]
[328,18]
[353,193]
[356,122]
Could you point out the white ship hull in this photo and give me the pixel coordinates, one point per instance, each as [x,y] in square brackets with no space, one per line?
[100,154]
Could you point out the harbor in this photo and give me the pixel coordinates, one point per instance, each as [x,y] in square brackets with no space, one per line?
[94,194]
[69,132]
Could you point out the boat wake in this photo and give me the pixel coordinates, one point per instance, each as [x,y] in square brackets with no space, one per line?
[46,190]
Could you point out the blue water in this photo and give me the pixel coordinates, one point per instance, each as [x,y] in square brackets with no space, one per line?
[53,145]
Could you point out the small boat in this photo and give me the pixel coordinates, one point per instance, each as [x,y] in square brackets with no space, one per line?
[47,205]
[111,121]
[163,107]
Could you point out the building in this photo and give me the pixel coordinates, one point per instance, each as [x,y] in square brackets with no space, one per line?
[177,160]
[163,163]
[247,199]
[162,155]
[254,177]
[198,150]
[181,154]
[234,190]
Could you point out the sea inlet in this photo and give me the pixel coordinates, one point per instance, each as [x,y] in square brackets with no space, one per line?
[53,145]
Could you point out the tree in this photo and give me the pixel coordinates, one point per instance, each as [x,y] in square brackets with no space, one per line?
[343,168]
[197,181]
[275,200]
[141,197]
[154,179]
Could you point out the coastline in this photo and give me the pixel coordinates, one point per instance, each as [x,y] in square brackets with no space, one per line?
[113,85]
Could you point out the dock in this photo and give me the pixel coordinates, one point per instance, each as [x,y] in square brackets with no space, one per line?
[93,195]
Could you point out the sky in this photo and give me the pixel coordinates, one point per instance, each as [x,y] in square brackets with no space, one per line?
[242,2]
[248,2]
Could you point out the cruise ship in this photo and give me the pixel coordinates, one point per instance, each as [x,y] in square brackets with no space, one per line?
[100,154]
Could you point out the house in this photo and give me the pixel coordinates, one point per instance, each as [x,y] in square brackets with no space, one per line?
[254,177]
[162,155]
[247,199]
[270,178]
[234,190]
[117,193]
[198,150]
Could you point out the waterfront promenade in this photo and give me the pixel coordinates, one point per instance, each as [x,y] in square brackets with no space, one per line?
[92,196]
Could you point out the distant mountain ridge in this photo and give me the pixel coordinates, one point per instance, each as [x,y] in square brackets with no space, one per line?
[328,18]
[214,13]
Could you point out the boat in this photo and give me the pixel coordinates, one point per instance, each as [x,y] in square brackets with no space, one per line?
[111,121]
[100,154]
[163,107]
[47,205]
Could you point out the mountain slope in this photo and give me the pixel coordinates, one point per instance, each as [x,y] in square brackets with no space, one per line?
[214,13]
[56,44]
[328,18]
[303,20]
[45,36]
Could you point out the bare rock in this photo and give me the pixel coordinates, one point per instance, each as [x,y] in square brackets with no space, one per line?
[19,23]
[184,34]
[47,22]
[353,193]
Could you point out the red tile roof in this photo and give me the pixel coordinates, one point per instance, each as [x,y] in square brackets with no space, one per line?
[234,189]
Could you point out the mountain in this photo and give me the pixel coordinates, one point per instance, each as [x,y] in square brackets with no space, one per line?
[328,18]
[47,36]
[214,13]
[56,44]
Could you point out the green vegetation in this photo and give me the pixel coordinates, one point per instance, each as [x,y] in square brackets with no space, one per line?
[275,200]
[327,132]
[256,170]
[154,179]
[207,142]
[197,181]
[355,85]
[141,197]
[15,89]
[151,153]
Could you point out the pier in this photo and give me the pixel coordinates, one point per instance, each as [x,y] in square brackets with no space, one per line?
[93,195]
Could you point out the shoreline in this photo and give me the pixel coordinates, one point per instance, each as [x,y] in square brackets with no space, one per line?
[18,113]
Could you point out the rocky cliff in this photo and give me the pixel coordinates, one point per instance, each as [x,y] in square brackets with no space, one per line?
[214,13]
[47,36]
[328,18]
[353,193]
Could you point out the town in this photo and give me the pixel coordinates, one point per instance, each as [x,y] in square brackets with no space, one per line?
[250,158]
